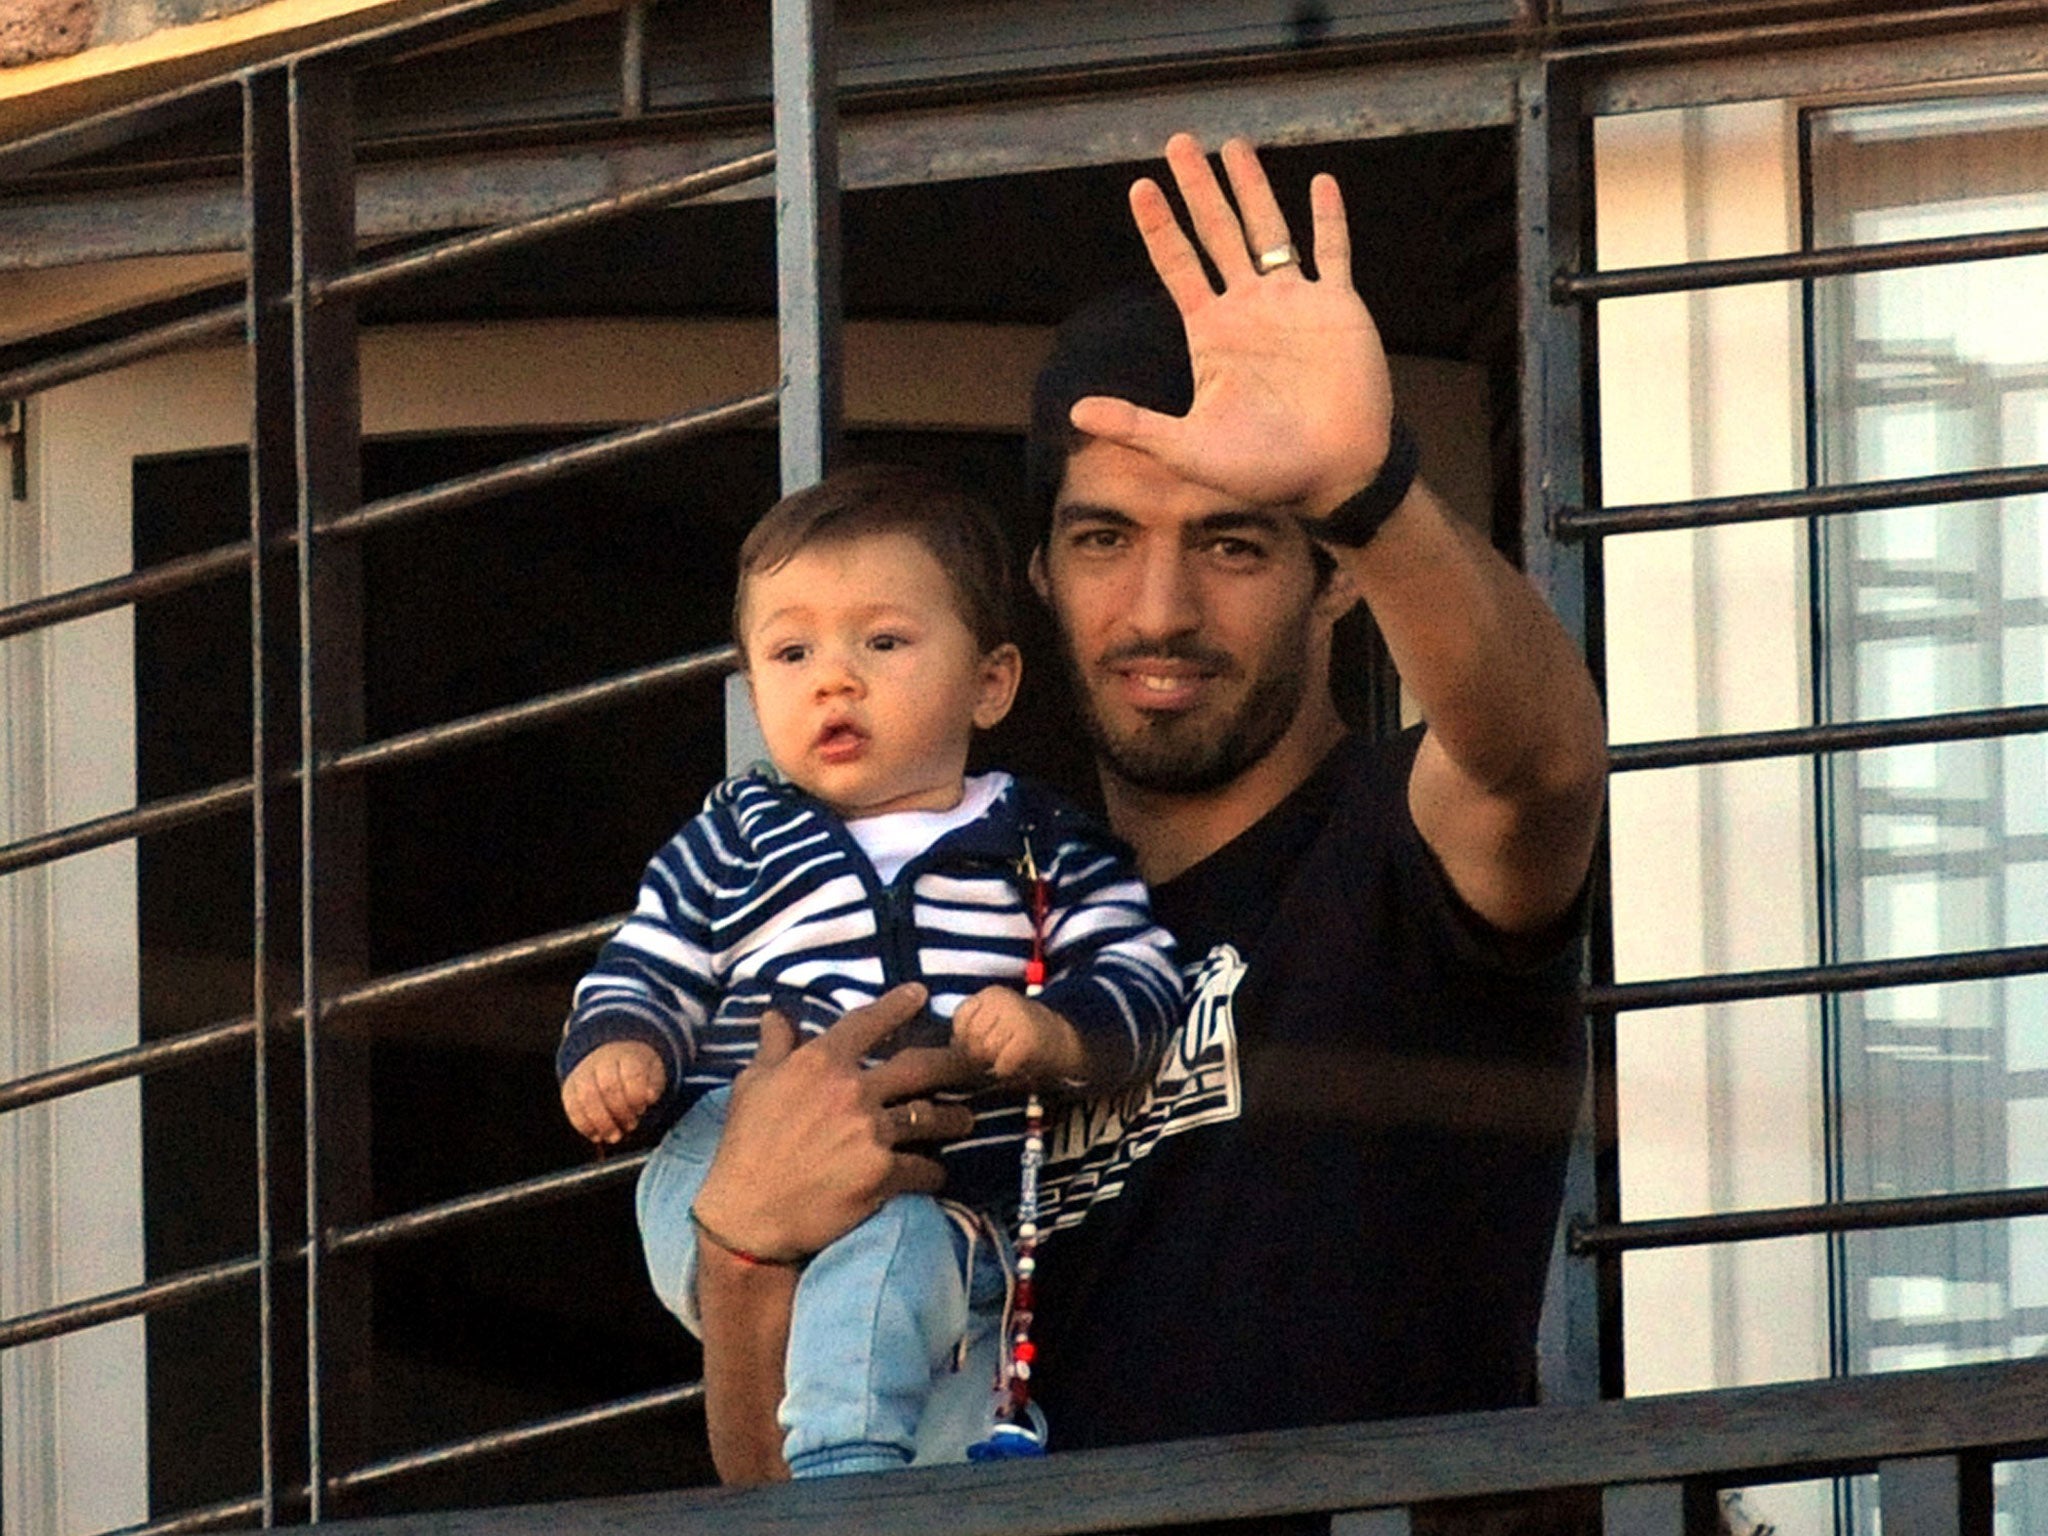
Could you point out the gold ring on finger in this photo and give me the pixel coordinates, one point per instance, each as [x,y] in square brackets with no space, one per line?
[1282,255]
[910,1118]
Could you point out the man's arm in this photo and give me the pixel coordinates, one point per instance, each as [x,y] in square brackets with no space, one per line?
[812,1146]
[1293,407]
[1509,781]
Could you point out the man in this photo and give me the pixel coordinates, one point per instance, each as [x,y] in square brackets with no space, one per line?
[1340,1207]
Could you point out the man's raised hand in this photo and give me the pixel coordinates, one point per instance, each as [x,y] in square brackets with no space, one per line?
[1292,403]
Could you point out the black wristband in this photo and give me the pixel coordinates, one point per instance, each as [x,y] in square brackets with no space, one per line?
[1356,519]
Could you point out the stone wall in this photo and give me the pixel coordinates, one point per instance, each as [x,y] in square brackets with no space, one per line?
[31,30]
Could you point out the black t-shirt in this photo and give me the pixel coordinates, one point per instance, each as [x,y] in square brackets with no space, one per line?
[1336,1201]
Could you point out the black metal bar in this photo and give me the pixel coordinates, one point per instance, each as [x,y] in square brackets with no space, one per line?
[432,739]
[1553,204]
[1811,980]
[76,1077]
[542,468]
[132,1301]
[175,811]
[1936,1495]
[633,60]
[1818,501]
[1790,266]
[116,591]
[454,1453]
[662,1398]
[214,1039]
[234,319]
[105,130]
[1643,1509]
[505,237]
[333,918]
[1372,1522]
[192,1284]
[218,799]
[1845,736]
[211,1517]
[172,336]
[522,474]
[1811,1220]
[540,1190]
[426,980]
[273,484]
[807,236]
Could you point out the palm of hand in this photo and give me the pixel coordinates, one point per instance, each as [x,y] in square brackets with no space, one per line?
[1292,401]
[1290,380]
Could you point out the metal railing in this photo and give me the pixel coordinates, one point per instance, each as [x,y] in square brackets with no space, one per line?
[298,210]
[1640,1467]
[1567,516]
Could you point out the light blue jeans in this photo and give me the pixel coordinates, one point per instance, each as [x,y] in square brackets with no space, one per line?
[894,1336]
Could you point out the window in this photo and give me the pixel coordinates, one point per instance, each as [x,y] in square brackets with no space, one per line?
[1873,616]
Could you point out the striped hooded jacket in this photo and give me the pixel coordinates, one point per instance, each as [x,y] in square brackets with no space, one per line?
[764,900]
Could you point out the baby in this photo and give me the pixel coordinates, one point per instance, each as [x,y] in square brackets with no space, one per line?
[872,621]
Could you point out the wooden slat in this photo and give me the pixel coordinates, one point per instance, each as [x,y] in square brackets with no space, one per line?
[1756,1434]
[1372,1522]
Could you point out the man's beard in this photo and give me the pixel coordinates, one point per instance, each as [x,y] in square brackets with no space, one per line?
[1190,753]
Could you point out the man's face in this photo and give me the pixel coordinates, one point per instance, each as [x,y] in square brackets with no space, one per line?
[1190,621]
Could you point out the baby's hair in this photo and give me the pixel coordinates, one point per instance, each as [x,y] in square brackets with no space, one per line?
[955,528]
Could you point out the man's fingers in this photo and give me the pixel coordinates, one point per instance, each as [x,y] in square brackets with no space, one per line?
[1332,231]
[1119,421]
[1173,256]
[911,1174]
[1265,226]
[925,1120]
[860,1030]
[1215,221]
[778,1039]
[918,1070]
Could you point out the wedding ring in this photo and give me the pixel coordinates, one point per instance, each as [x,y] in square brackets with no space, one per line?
[1279,256]
[910,1118]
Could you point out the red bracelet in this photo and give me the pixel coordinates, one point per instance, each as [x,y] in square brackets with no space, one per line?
[745,1255]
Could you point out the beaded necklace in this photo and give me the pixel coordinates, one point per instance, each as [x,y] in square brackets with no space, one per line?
[1019,1423]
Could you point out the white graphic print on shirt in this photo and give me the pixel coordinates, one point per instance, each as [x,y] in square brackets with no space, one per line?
[1091,1146]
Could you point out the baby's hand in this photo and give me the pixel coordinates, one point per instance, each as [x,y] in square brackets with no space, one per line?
[611,1088]
[1016,1038]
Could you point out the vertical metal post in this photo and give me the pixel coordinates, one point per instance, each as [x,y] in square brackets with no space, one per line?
[633,59]
[1658,1509]
[267,227]
[1579,1349]
[1372,1522]
[1935,1496]
[807,237]
[327,422]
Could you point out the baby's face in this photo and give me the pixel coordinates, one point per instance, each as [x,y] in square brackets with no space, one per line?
[867,681]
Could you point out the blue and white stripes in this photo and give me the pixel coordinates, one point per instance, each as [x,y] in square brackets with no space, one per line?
[765,900]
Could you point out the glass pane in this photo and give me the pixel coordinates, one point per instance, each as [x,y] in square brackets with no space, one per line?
[1930,610]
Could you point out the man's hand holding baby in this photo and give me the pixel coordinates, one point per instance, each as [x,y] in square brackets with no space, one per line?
[1016,1039]
[612,1088]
